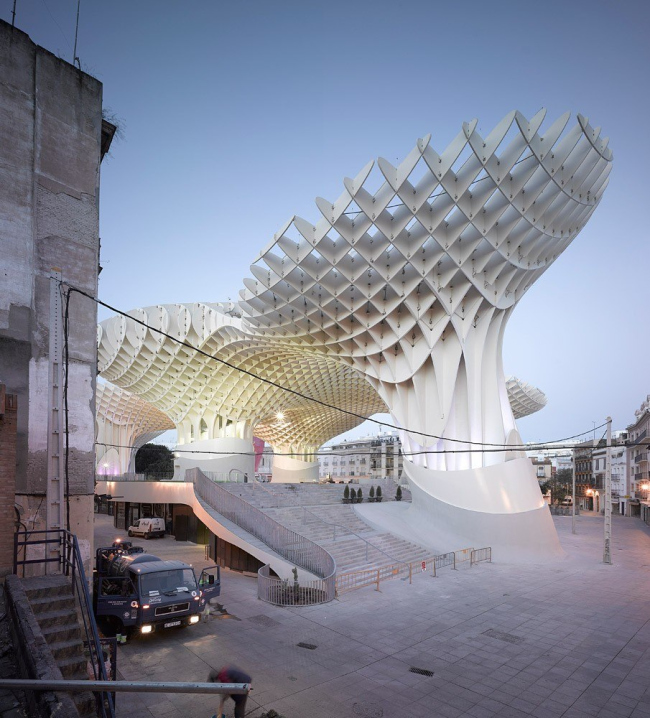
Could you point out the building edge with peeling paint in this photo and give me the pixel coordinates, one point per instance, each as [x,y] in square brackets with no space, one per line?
[53,141]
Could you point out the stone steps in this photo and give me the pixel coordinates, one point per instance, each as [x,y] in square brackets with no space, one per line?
[54,608]
[316,511]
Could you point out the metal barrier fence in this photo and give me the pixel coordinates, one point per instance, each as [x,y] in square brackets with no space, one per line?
[235,476]
[282,592]
[122,477]
[367,577]
[462,556]
[480,554]
[63,549]
[445,559]
[290,545]
[563,510]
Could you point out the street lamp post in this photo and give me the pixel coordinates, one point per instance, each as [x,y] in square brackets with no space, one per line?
[573,492]
[607,551]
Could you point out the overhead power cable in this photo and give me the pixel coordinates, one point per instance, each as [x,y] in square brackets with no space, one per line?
[503,447]
[352,452]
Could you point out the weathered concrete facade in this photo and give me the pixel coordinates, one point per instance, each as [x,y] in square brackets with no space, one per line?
[53,140]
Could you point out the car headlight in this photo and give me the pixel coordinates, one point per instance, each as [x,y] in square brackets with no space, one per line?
[194,619]
[146,629]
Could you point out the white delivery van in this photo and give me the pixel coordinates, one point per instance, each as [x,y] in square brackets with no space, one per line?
[148,528]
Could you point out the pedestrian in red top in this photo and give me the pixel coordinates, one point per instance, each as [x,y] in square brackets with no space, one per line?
[231,674]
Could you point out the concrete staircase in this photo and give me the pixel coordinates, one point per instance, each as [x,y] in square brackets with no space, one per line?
[317,512]
[54,608]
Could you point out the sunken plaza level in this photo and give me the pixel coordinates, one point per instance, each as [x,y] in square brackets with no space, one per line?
[396,299]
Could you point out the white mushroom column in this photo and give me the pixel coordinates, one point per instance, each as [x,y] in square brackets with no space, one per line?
[413,286]
[124,423]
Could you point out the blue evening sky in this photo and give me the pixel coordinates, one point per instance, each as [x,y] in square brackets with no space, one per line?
[237,115]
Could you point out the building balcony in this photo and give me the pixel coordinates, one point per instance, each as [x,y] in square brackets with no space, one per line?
[641,457]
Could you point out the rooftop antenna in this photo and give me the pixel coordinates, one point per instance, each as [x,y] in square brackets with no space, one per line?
[75,59]
[13,16]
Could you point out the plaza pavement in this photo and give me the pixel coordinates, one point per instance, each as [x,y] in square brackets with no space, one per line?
[568,639]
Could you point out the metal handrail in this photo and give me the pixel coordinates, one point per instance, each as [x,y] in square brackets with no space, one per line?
[280,592]
[273,497]
[295,548]
[349,530]
[71,565]
[75,567]
[73,686]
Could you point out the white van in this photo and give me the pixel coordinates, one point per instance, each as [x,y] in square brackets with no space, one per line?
[148,528]
[567,501]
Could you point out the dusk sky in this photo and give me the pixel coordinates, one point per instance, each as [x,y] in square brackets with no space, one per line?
[235,116]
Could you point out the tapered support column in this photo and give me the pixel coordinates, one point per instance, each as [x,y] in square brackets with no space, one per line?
[499,506]
[288,470]
[229,459]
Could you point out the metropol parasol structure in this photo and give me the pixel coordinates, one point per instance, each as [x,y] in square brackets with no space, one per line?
[394,300]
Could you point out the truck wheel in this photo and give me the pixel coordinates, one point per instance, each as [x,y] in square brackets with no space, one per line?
[147,536]
[130,534]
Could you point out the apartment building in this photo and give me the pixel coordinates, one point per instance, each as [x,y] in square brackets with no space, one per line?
[368,458]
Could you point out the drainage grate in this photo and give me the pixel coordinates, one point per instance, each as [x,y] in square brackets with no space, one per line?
[420,671]
[368,710]
[501,636]
[310,646]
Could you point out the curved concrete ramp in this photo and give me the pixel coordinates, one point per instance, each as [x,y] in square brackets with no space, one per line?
[500,506]
[182,492]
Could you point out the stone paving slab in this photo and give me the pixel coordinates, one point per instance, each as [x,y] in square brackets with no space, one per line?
[569,639]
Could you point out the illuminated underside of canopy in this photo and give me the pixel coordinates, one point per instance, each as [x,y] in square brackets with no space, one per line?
[124,423]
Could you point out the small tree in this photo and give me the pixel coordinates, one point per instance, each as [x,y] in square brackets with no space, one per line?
[371,495]
[561,485]
[359,495]
[398,493]
[353,495]
[346,494]
[378,498]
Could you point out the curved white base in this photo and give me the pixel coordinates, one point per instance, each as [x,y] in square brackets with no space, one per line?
[499,506]
[231,465]
[287,470]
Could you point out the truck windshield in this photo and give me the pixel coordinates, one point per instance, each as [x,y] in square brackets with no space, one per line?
[169,583]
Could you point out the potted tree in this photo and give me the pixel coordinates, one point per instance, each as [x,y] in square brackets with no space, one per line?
[371,495]
[378,494]
[398,493]
[359,495]
[353,496]
[346,494]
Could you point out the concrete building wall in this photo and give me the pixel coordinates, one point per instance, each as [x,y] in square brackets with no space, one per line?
[51,149]
[7,478]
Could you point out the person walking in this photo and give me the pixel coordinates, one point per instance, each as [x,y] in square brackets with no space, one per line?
[231,674]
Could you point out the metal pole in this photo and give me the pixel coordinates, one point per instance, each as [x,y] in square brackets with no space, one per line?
[55,487]
[607,552]
[573,489]
[125,686]
[13,16]
[75,59]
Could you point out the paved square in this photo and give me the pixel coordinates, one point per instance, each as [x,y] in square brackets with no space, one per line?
[566,639]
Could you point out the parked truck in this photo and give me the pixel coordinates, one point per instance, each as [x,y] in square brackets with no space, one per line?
[145,593]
